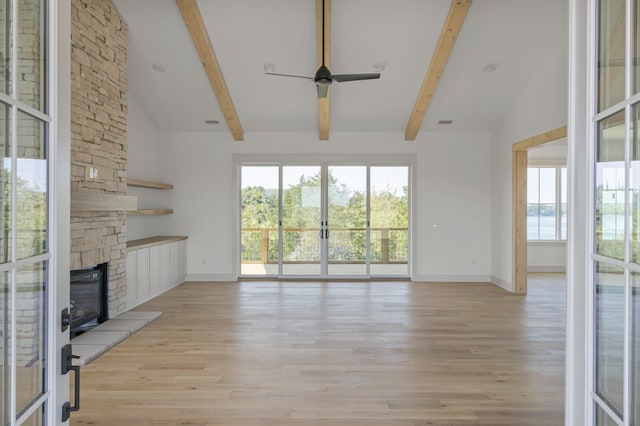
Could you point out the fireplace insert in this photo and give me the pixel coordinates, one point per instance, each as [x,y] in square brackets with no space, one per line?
[88,298]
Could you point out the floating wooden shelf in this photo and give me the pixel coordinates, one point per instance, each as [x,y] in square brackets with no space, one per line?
[150,212]
[148,184]
[102,201]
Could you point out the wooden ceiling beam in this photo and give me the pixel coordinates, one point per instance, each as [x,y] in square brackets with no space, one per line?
[200,37]
[448,36]
[323,103]
[541,139]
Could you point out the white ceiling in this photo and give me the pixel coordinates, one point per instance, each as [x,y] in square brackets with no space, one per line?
[516,35]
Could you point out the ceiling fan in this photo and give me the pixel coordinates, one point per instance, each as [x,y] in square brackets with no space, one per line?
[323,77]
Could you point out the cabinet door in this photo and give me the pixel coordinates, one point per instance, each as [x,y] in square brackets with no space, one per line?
[174,263]
[143,274]
[132,282]
[165,268]
[154,270]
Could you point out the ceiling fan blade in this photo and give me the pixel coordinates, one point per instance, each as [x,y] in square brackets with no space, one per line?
[322,91]
[355,77]
[290,75]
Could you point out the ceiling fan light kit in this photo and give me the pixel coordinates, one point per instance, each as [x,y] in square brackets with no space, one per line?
[323,77]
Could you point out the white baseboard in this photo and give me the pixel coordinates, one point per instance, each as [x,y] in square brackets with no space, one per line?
[502,283]
[546,269]
[212,277]
[451,278]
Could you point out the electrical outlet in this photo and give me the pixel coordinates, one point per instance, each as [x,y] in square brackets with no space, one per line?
[93,173]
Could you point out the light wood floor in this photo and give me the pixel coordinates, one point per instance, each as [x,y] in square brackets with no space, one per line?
[305,353]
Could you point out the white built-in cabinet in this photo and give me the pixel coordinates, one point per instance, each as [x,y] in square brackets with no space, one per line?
[154,265]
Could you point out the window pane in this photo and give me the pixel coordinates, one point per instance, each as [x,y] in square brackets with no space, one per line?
[533,198]
[32,188]
[533,221]
[634,187]
[31,53]
[389,220]
[563,201]
[34,419]
[347,216]
[635,345]
[533,187]
[259,234]
[5,46]
[548,185]
[547,221]
[636,46]
[611,53]
[31,300]
[547,207]
[602,418]
[4,347]
[608,305]
[301,242]
[5,185]
[610,187]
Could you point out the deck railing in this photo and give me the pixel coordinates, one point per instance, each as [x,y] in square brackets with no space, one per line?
[346,245]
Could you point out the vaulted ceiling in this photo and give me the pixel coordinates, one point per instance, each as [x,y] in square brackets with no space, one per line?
[509,38]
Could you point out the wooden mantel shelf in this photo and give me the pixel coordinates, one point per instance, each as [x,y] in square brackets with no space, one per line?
[102,201]
[148,184]
[150,212]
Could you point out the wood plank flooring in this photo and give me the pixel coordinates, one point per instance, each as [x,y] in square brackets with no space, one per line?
[357,353]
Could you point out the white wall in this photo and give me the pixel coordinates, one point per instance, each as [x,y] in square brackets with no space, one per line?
[541,106]
[453,191]
[546,256]
[144,162]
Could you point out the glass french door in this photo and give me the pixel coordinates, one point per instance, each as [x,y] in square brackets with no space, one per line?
[614,378]
[25,256]
[324,220]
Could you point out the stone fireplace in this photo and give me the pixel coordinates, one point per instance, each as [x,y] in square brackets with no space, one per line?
[99,140]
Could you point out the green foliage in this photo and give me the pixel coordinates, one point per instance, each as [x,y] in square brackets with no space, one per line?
[31,220]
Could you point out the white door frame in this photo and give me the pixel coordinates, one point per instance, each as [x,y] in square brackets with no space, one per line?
[59,175]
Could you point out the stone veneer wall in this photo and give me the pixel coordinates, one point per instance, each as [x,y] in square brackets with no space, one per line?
[99,138]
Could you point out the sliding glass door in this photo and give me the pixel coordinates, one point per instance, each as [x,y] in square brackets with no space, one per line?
[389,213]
[324,220]
[301,221]
[346,227]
